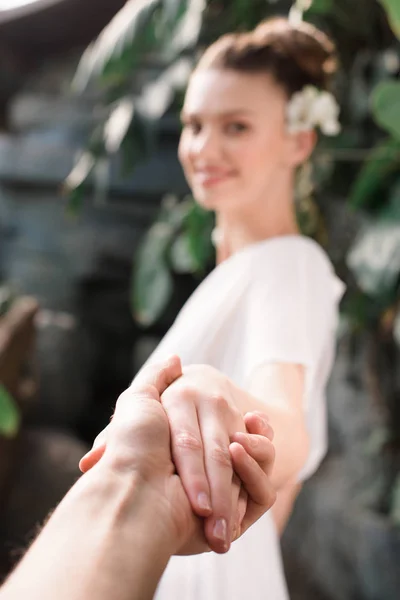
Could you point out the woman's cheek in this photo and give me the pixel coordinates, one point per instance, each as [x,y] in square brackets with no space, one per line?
[183,149]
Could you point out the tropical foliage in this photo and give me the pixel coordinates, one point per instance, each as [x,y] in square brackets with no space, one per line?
[9,412]
[358,170]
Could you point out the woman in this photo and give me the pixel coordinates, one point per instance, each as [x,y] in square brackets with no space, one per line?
[259,332]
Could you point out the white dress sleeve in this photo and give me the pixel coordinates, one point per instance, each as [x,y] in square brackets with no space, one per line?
[291,317]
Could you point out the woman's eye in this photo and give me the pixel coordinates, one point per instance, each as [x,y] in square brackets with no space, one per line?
[236,127]
[192,126]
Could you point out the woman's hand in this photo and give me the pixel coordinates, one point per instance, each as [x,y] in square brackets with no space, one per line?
[203,418]
[204,422]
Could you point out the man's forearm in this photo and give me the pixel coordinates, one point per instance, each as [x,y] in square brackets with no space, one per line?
[99,544]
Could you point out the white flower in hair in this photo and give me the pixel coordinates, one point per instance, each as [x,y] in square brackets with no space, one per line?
[312,108]
[326,113]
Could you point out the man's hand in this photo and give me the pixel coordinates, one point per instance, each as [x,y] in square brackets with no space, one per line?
[138,445]
[251,456]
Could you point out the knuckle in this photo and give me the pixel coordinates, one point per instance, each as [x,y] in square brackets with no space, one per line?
[147,390]
[237,415]
[220,455]
[185,440]
[179,394]
[125,396]
[131,394]
[219,402]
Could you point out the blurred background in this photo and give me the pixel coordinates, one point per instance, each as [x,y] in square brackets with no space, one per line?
[101,244]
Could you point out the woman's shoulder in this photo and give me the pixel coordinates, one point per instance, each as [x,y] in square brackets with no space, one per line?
[295,258]
[290,251]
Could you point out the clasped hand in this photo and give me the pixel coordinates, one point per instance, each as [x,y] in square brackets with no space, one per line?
[183,433]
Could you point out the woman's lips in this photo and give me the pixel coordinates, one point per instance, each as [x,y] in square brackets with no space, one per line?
[211,179]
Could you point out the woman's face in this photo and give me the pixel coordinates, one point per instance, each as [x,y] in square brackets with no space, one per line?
[234,145]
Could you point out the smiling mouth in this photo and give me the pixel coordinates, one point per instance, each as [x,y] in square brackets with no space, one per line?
[211,179]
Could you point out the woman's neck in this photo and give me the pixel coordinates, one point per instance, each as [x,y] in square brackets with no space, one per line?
[235,232]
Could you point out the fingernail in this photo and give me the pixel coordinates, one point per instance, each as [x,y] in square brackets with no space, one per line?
[253,441]
[264,421]
[203,501]
[220,530]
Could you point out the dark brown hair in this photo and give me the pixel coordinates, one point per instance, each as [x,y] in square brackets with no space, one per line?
[294,55]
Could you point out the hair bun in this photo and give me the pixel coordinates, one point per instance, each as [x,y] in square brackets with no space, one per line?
[307,46]
[295,55]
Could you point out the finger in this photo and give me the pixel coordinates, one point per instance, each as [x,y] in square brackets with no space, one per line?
[91,458]
[188,452]
[258,423]
[242,510]
[155,378]
[151,382]
[219,472]
[257,484]
[252,476]
[235,495]
[260,448]
[239,508]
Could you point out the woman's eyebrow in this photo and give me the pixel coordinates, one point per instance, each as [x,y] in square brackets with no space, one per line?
[223,114]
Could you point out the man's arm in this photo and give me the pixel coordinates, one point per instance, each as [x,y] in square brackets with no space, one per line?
[112,535]
[97,544]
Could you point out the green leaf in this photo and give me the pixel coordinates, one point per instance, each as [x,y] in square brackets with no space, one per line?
[81,171]
[386,107]
[376,441]
[7,297]
[158,95]
[181,258]
[393,9]
[174,213]
[321,7]
[74,185]
[187,30]
[129,34]
[199,226]
[360,310]
[9,414]
[118,124]
[152,282]
[375,257]
[383,161]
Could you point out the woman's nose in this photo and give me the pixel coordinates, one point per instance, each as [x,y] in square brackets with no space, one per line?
[206,145]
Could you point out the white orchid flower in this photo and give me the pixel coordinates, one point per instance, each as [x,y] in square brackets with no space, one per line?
[312,108]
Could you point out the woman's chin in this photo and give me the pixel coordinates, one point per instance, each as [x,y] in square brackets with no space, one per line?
[209,200]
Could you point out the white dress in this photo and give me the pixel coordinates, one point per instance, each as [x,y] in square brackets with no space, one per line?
[274,301]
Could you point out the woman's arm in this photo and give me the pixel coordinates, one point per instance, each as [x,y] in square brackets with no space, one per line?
[278,391]
[283,507]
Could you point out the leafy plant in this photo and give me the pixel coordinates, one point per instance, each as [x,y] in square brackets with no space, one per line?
[364,159]
[177,243]
[9,414]
[143,30]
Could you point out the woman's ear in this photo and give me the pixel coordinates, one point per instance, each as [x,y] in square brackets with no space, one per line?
[302,145]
